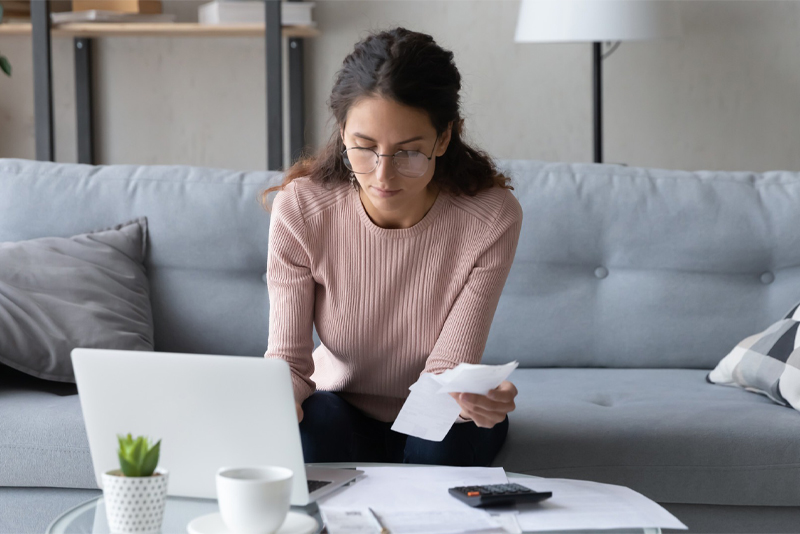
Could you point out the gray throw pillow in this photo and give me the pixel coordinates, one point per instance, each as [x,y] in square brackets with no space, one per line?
[58,293]
[767,363]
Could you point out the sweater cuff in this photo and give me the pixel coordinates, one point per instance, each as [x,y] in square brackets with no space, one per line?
[301,389]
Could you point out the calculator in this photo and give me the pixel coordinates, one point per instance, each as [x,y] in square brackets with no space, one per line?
[498,494]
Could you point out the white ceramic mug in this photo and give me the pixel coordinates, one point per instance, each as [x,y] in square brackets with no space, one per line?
[255,499]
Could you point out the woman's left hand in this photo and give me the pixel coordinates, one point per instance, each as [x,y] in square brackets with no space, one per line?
[487,410]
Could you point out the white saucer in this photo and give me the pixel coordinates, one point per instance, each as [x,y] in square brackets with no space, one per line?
[295,523]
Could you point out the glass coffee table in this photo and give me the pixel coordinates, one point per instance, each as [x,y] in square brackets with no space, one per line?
[89,517]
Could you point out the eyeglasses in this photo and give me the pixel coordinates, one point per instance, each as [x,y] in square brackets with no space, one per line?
[407,162]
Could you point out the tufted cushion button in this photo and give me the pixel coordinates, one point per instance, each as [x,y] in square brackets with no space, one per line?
[601,272]
[767,278]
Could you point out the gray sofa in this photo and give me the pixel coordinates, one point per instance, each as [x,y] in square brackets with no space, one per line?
[628,286]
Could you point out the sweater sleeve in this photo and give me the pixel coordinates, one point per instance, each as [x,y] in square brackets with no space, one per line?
[291,292]
[466,329]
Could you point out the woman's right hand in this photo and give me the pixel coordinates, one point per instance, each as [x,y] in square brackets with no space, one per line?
[299,411]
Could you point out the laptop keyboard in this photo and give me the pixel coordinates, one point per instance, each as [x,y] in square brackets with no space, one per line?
[314,485]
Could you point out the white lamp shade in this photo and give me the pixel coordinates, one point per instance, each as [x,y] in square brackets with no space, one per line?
[569,21]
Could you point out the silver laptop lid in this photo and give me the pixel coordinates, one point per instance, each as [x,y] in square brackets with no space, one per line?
[209,411]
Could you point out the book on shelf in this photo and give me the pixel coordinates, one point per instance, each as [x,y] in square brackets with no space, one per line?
[142,7]
[252,12]
[98,15]
[21,9]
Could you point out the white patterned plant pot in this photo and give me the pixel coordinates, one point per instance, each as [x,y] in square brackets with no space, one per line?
[135,504]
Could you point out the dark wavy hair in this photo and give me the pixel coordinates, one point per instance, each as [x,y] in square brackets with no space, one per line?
[411,69]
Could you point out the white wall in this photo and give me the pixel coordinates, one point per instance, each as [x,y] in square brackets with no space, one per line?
[726,96]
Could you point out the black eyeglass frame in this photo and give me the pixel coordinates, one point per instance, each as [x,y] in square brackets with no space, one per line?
[346,160]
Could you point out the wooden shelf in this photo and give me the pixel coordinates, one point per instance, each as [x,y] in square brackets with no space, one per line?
[166,29]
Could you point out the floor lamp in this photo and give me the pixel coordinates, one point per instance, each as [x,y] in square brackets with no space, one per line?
[596,21]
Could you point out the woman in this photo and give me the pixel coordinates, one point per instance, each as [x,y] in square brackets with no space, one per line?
[395,240]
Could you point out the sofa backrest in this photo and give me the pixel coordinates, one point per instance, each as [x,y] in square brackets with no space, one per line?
[631,267]
[616,266]
[207,239]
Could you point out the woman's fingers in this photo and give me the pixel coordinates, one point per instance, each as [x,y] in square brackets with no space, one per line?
[484,418]
[505,392]
[486,414]
[482,401]
[488,410]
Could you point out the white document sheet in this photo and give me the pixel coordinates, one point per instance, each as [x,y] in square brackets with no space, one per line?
[471,378]
[417,522]
[412,500]
[411,488]
[348,521]
[426,413]
[429,411]
[584,505]
[437,522]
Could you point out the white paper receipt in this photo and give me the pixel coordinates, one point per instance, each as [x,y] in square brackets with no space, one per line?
[349,521]
[429,411]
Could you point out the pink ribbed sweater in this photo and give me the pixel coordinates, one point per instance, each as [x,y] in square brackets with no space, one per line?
[388,304]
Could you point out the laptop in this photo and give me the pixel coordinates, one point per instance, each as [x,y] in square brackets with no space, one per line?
[209,411]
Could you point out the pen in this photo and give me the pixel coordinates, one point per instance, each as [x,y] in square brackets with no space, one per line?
[384,530]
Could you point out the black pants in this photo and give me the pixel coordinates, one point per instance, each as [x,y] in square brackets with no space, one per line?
[332,430]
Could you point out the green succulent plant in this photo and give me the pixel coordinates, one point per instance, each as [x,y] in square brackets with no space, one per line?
[4,64]
[137,457]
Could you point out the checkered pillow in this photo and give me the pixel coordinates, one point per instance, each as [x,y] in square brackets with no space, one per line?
[766,363]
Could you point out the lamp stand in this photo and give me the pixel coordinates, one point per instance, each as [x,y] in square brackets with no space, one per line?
[597,93]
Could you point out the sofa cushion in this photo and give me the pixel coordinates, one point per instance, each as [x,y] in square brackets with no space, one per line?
[666,433]
[43,440]
[58,293]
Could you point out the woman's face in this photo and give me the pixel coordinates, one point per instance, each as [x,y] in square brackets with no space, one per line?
[388,127]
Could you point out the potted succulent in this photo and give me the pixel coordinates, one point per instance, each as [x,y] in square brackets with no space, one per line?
[135,494]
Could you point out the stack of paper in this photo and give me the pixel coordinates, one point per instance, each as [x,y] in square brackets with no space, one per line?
[411,500]
[584,505]
[414,500]
[252,11]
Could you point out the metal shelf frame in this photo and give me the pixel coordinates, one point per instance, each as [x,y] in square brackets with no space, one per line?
[41,30]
